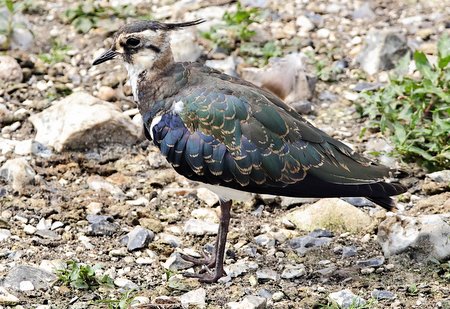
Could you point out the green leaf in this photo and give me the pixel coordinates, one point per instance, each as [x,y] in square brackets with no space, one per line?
[10,5]
[421,152]
[424,66]
[400,132]
[444,46]
[443,62]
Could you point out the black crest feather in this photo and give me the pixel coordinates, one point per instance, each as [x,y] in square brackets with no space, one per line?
[143,25]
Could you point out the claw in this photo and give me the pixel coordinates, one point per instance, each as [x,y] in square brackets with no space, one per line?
[205,261]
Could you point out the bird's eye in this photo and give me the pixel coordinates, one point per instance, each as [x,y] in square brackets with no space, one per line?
[132,42]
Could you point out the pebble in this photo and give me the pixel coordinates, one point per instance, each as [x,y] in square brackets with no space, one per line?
[195,298]
[94,208]
[293,271]
[142,201]
[349,251]
[306,243]
[138,238]
[277,296]
[373,262]
[236,269]
[265,240]
[206,214]
[367,270]
[4,234]
[200,227]
[176,262]
[26,286]
[101,225]
[10,70]
[266,274]
[249,302]
[304,23]
[40,278]
[382,294]
[125,283]
[440,176]
[18,173]
[346,299]
[169,239]
[323,33]
[106,93]
[29,229]
[7,298]
[145,260]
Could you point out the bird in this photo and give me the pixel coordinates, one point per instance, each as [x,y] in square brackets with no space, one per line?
[233,136]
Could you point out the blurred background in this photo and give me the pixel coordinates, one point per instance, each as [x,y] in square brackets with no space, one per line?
[92,215]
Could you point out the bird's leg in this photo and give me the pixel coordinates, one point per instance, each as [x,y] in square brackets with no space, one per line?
[210,275]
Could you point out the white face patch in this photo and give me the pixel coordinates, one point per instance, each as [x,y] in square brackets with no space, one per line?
[177,107]
[155,121]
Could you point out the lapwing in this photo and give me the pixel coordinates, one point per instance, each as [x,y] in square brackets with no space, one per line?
[228,133]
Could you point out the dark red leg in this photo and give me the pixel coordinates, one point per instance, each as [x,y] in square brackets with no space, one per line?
[212,275]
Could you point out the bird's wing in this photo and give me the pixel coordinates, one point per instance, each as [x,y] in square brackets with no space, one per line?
[240,132]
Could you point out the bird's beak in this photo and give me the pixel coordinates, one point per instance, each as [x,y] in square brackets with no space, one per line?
[107,55]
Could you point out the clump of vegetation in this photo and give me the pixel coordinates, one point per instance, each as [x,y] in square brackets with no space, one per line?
[415,112]
[57,53]
[236,34]
[82,276]
[123,302]
[9,23]
[87,14]
[236,29]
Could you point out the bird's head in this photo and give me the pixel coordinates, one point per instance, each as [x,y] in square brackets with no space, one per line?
[143,44]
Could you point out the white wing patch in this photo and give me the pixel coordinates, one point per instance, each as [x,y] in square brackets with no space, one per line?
[177,107]
[155,121]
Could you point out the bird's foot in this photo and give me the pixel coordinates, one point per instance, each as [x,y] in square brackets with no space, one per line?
[207,261]
[207,276]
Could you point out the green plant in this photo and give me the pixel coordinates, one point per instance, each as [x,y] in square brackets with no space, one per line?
[371,303]
[82,276]
[259,56]
[9,23]
[415,112]
[123,302]
[87,14]
[412,290]
[57,53]
[236,29]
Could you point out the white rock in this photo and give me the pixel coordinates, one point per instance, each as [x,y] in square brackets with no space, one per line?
[44,224]
[125,283]
[97,183]
[26,286]
[83,121]
[52,266]
[200,227]
[138,301]
[29,229]
[195,298]
[304,23]
[7,298]
[18,173]
[424,237]
[323,33]
[184,45]
[145,260]
[24,147]
[346,299]
[440,176]
[10,70]
[206,214]
[207,196]
[142,201]
[7,145]
[4,234]
[94,208]
[228,65]
[249,302]
[332,214]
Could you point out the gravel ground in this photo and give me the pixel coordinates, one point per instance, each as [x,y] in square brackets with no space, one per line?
[87,205]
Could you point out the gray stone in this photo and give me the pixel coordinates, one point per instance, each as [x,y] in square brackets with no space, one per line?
[304,23]
[293,271]
[330,213]
[195,298]
[40,279]
[81,121]
[349,251]
[184,45]
[125,283]
[236,269]
[249,302]
[305,243]
[207,196]
[47,234]
[97,183]
[440,176]
[266,274]
[176,262]
[318,233]
[4,234]
[200,227]
[10,70]
[7,298]
[423,238]
[359,201]
[18,173]
[101,225]
[227,66]
[265,240]
[382,294]
[286,77]
[383,49]
[364,12]
[327,271]
[346,299]
[138,238]
[373,262]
